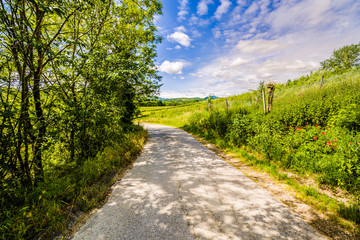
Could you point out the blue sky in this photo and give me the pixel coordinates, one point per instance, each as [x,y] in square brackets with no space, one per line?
[226,47]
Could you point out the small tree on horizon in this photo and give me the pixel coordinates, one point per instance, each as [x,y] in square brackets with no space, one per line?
[343,58]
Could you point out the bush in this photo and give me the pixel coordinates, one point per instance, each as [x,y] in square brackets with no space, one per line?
[66,185]
[348,117]
[351,212]
[240,129]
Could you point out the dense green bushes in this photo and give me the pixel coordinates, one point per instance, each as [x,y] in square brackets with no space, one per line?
[68,188]
[314,130]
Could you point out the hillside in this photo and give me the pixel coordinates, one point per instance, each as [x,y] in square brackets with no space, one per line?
[312,131]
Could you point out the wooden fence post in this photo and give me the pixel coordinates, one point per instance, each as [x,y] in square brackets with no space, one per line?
[271,88]
[264,103]
[209,104]
[227,106]
[322,81]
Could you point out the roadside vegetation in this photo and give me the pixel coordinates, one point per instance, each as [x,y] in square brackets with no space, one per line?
[71,73]
[313,131]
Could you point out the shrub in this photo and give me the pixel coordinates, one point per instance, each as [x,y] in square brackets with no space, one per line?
[240,129]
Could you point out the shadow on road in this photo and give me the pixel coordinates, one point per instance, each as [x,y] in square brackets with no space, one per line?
[178,189]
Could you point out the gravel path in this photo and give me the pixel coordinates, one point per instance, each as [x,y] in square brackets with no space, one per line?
[178,189]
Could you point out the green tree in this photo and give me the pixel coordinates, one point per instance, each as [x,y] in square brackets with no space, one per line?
[71,74]
[343,58]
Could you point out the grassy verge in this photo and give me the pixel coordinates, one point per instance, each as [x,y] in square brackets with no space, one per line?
[69,191]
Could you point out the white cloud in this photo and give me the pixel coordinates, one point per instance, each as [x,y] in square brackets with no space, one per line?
[217,32]
[195,33]
[222,9]
[263,5]
[309,14]
[194,20]
[241,2]
[232,36]
[181,38]
[171,67]
[198,21]
[222,69]
[252,9]
[258,46]
[180,29]
[239,61]
[202,7]
[298,66]
[183,9]
[178,47]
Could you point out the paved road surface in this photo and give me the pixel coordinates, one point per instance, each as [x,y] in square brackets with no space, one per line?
[178,189]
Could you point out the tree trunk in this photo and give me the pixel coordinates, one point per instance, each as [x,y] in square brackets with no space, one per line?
[72,144]
[24,127]
[38,167]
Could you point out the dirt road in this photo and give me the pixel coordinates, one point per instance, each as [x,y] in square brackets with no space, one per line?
[178,189]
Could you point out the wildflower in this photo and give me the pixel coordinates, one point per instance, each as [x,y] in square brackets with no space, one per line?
[315,138]
[299,128]
[316,126]
[334,146]
[359,143]
[335,140]
[329,143]
[349,142]
[323,133]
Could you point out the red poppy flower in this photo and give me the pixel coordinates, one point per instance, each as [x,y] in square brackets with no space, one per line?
[323,133]
[335,146]
[299,128]
[335,140]
[315,138]
[316,126]
[328,143]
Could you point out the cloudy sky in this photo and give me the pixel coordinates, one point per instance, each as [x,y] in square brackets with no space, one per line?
[226,47]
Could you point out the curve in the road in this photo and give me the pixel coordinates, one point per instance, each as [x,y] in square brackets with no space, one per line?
[178,189]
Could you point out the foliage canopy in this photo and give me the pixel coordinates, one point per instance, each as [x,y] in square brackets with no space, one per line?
[343,58]
[72,73]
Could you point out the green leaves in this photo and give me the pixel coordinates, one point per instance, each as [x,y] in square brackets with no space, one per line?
[343,58]
[60,12]
[73,73]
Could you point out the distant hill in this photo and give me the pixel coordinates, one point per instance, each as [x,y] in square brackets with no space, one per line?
[195,99]
[212,97]
[169,101]
[181,99]
[172,101]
